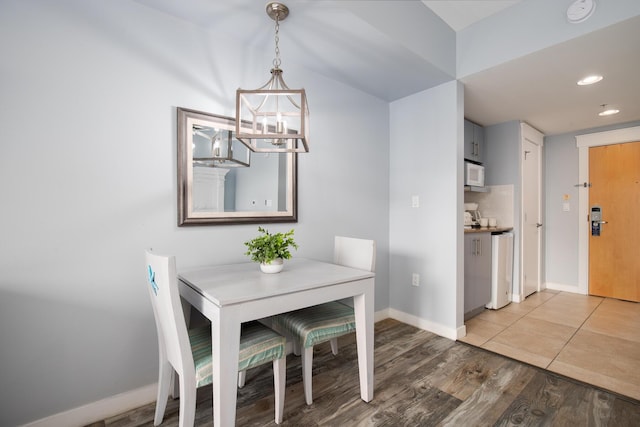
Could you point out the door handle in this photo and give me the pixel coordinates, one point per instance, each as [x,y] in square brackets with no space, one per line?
[477,247]
[538,225]
[602,222]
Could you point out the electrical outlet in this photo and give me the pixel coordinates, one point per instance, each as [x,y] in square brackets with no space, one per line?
[415,279]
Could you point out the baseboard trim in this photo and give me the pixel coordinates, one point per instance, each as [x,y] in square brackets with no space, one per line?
[381,315]
[564,288]
[461,332]
[427,325]
[101,409]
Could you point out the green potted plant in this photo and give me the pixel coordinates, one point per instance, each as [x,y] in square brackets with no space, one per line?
[270,249]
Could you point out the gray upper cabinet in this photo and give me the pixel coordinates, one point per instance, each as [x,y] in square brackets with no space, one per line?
[473,142]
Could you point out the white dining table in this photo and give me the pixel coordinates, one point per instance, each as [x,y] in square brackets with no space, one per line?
[231,294]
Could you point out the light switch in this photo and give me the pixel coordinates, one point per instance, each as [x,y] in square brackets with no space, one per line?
[415,201]
[566,207]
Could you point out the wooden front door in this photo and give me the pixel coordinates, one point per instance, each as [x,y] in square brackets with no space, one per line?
[614,263]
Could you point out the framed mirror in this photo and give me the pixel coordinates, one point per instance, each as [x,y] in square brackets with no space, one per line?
[220,181]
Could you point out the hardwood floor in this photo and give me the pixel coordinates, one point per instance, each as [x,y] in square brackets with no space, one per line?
[421,380]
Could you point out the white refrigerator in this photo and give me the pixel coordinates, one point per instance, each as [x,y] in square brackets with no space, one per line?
[501,270]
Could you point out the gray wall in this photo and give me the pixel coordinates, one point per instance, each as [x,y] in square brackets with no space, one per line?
[88,180]
[561,228]
[426,153]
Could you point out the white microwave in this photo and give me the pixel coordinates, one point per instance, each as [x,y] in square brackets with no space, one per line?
[473,174]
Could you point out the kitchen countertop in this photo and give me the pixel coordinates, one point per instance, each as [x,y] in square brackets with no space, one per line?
[488,230]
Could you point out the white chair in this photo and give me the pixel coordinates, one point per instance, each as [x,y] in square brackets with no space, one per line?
[326,322]
[188,352]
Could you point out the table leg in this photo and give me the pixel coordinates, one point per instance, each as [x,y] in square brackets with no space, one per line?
[225,334]
[363,309]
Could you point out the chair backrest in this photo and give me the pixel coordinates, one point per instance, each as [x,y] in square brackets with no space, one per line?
[355,253]
[173,338]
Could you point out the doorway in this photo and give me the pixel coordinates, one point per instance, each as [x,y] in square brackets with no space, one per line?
[531,159]
[614,177]
[584,143]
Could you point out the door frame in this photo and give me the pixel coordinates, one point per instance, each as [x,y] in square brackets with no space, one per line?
[529,133]
[584,142]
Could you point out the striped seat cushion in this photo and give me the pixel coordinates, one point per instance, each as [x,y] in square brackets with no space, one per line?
[317,324]
[258,345]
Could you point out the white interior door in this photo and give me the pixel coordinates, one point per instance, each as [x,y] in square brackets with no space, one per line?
[531,214]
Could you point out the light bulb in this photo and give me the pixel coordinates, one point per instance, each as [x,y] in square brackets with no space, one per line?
[589,80]
[609,112]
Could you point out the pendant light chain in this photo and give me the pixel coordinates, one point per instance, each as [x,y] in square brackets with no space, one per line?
[276,60]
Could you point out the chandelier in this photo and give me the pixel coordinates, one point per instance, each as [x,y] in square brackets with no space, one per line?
[273,118]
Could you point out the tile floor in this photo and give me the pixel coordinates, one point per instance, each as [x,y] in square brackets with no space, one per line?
[592,339]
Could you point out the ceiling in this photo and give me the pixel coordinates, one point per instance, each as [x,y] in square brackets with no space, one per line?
[461,14]
[353,45]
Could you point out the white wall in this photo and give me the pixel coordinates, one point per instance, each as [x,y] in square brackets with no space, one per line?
[88,181]
[426,153]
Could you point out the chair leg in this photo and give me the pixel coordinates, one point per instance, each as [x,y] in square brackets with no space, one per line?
[187,402]
[279,383]
[242,377]
[164,384]
[307,380]
[175,386]
[334,346]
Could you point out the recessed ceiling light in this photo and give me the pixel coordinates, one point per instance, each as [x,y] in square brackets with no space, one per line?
[608,111]
[589,80]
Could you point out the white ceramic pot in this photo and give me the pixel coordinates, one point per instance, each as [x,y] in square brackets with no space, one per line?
[274,266]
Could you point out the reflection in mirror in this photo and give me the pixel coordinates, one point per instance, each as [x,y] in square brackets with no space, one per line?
[216,147]
[221,182]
